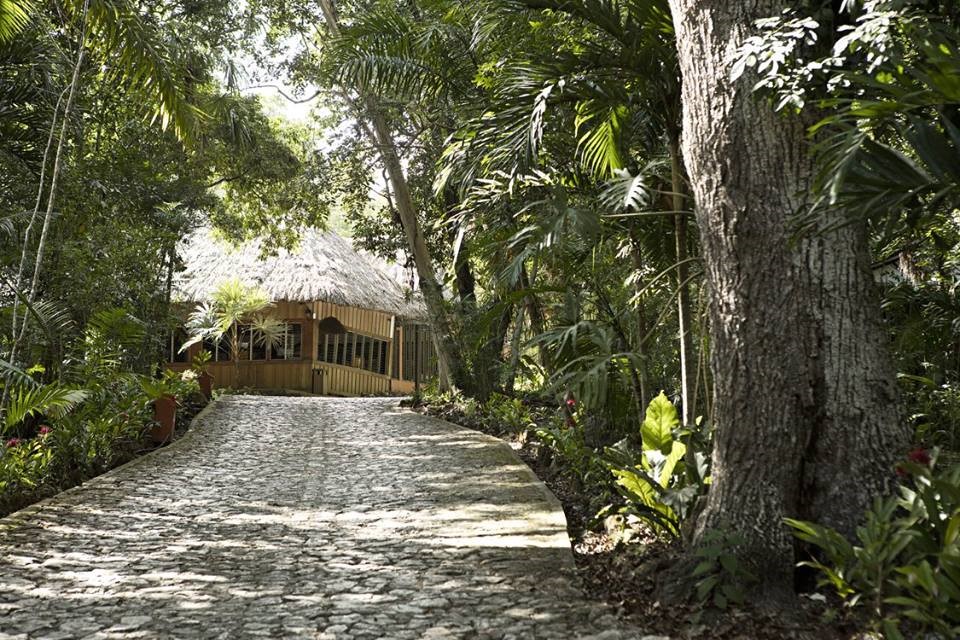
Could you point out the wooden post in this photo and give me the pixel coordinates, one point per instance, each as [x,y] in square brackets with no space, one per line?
[400,371]
[314,322]
[390,346]
[416,359]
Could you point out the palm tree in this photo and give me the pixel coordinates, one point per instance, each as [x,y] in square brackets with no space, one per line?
[418,61]
[234,304]
[617,91]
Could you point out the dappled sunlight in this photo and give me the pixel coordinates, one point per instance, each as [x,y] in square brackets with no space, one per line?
[328,523]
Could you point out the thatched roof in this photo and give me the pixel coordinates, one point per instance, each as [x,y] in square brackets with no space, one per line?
[323,267]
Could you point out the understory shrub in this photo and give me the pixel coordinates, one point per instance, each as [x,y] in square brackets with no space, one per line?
[935,411]
[906,568]
[90,420]
[509,414]
[567,442]
[662,476]
[720,578]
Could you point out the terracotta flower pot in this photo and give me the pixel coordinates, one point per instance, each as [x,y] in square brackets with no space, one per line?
[206,384]
[165,414]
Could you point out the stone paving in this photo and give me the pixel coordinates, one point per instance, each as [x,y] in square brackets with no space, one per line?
[301,518]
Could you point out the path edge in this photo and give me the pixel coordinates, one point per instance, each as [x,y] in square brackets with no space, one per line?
[534,478]
[13,519]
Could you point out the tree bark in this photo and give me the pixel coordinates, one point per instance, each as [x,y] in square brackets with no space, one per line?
[687,410]
[803,396]
[854,445]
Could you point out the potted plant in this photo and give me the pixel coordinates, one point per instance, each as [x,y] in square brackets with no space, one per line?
[204,378]
[161,393]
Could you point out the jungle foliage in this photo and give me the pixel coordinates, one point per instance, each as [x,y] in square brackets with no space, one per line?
[541,147]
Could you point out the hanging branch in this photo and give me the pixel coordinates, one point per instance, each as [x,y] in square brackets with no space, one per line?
[54,180]
[18,281]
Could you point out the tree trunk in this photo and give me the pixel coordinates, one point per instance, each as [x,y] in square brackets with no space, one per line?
[535,315]
[687,410]
[448,354]
[803,398]
[641,349]
[855,444]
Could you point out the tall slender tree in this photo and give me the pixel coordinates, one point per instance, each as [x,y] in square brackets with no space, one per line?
[377,127]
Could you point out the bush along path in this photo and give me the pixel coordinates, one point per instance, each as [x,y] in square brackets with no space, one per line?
[302,517]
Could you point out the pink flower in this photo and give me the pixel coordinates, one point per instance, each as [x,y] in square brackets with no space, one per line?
[13,442]
[44,430]
[571,403]
[919,455]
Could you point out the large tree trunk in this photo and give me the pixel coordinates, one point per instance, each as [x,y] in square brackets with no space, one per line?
[854,445]
[804,414]
[448,353]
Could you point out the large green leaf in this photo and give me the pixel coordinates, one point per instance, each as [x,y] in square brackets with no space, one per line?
[14,17]
[644,491]
[658,426]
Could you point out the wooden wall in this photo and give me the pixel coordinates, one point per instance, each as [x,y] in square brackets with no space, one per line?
[308,374]
[275,374]
[372,323]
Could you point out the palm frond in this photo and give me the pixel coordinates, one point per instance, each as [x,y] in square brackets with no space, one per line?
[600,132]
[384,52]
[52,400]
[140,60]
[15,15]
[14,375]
[53,317]
[118,328]
[625,192]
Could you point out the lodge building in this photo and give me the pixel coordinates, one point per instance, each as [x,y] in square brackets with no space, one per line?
[349,327]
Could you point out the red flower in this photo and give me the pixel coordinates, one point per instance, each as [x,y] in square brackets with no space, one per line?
[919,455]
[44,430]
[571,403]
[12,442]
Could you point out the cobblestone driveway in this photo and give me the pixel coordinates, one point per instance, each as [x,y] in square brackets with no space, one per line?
[301,517]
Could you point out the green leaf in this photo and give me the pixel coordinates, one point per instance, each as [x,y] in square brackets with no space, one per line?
[729,563]
[676,454]
[891,629]
[51,399]
[705,586]
[15,15]
[658,426]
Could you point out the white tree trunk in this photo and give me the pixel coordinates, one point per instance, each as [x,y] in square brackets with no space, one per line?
[448,355]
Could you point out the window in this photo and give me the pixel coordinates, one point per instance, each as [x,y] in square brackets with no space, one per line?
[328,349]
[220,351]
[177,338]
[354,350]
[291,343]
[350,341]
[251,344]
